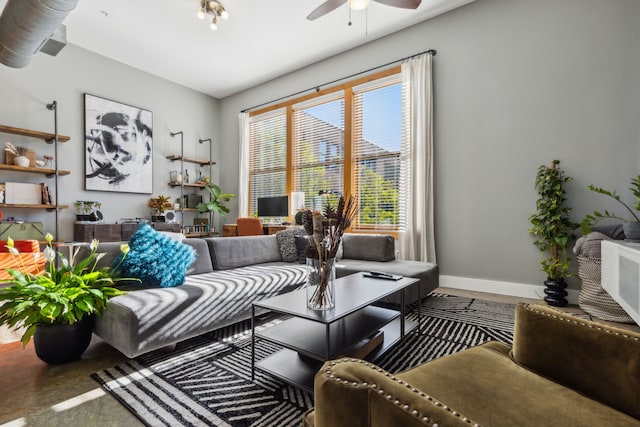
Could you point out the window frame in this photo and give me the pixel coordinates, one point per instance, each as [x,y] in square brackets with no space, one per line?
[348,168]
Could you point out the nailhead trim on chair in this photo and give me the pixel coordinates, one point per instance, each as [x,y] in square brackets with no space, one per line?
[581,323]
[389,397]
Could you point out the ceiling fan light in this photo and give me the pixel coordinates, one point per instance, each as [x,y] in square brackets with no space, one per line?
[214,24]
[358,4]
[224,14]
[201,14]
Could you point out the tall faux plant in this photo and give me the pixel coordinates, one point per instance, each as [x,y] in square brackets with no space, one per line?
[551,225]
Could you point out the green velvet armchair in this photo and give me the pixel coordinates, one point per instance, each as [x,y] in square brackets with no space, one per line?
[561,370]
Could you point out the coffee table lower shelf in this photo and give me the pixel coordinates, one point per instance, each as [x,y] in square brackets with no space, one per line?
[289,366]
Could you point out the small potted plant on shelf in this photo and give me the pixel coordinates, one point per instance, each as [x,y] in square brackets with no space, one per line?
[552,229]
[20,154]
[631,228]
[85,209]
[158,207]
[57,306]
[217,200]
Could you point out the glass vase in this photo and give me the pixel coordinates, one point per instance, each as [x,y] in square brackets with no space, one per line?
[321,288]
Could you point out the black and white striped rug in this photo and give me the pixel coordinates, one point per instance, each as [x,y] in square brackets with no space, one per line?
[207,380]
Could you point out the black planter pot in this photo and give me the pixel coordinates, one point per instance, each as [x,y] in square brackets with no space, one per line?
[555,292]
[56,344]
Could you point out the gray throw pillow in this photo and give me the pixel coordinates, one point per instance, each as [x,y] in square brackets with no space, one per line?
[287,243]
[301,247]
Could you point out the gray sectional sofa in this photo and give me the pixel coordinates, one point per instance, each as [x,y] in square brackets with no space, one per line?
[227,276]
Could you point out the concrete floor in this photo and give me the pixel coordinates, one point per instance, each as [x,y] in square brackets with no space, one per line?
[33,393]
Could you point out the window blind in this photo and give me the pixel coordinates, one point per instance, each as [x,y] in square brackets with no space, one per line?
[267,157]
[318,149]
[377,138]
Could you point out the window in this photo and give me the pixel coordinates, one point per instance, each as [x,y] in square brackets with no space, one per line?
[344,140]
[267,157]
[376,142]
[318,148]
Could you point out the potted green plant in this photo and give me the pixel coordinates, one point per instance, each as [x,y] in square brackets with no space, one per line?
[57,307]
[552,229]
[631,228]
[85,208]
[217,200]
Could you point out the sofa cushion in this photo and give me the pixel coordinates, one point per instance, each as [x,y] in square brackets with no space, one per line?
[609,374]
[301,248]
[287,243]
[233,252]
[155,258]
[369,247]
[202,264]
[428,274]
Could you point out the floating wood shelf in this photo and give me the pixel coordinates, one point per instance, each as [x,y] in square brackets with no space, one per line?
[4,205]
[43,171]
[33,133]
[200,162]
[188,210]
[196,185]
[200,234]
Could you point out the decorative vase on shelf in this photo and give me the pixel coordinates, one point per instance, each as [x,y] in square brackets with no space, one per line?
[22,161]
[321,288]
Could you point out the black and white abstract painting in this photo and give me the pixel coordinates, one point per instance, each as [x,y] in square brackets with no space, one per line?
[118,146]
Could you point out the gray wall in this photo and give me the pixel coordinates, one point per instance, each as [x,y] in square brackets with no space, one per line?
[518,83]
[65,78]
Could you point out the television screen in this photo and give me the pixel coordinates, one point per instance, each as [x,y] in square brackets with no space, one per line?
[273,206]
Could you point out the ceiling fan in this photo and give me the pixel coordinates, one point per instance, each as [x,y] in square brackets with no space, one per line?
[330,5]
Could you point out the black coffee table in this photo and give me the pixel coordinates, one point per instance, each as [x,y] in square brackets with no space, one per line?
[311,337]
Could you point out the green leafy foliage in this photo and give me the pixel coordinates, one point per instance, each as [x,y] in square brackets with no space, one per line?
[62,294]
[217,200]
[551,225]
[587,223]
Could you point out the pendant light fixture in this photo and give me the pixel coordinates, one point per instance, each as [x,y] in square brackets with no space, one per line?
[214,8]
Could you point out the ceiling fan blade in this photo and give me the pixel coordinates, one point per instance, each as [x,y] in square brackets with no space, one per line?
[404,4]
[325,8]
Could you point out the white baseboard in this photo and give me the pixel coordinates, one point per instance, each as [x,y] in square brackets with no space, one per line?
[503,288]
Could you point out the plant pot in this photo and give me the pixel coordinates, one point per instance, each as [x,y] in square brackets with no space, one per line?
[555,292]
[56,344]
[631,231]
[82,217]
[22,161]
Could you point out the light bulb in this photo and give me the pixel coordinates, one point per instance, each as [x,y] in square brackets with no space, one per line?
[214,25]
[224,14]
[201,14]
[358,4]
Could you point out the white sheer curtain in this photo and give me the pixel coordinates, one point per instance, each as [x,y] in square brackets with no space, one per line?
[415,239]
[243,180]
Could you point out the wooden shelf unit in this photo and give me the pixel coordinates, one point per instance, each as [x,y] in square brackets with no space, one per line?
[182,185]
[48,137]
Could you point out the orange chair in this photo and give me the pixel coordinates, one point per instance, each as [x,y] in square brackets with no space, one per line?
[29,260]
[249,227]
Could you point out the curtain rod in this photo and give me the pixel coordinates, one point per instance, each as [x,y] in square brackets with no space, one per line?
[431,52]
